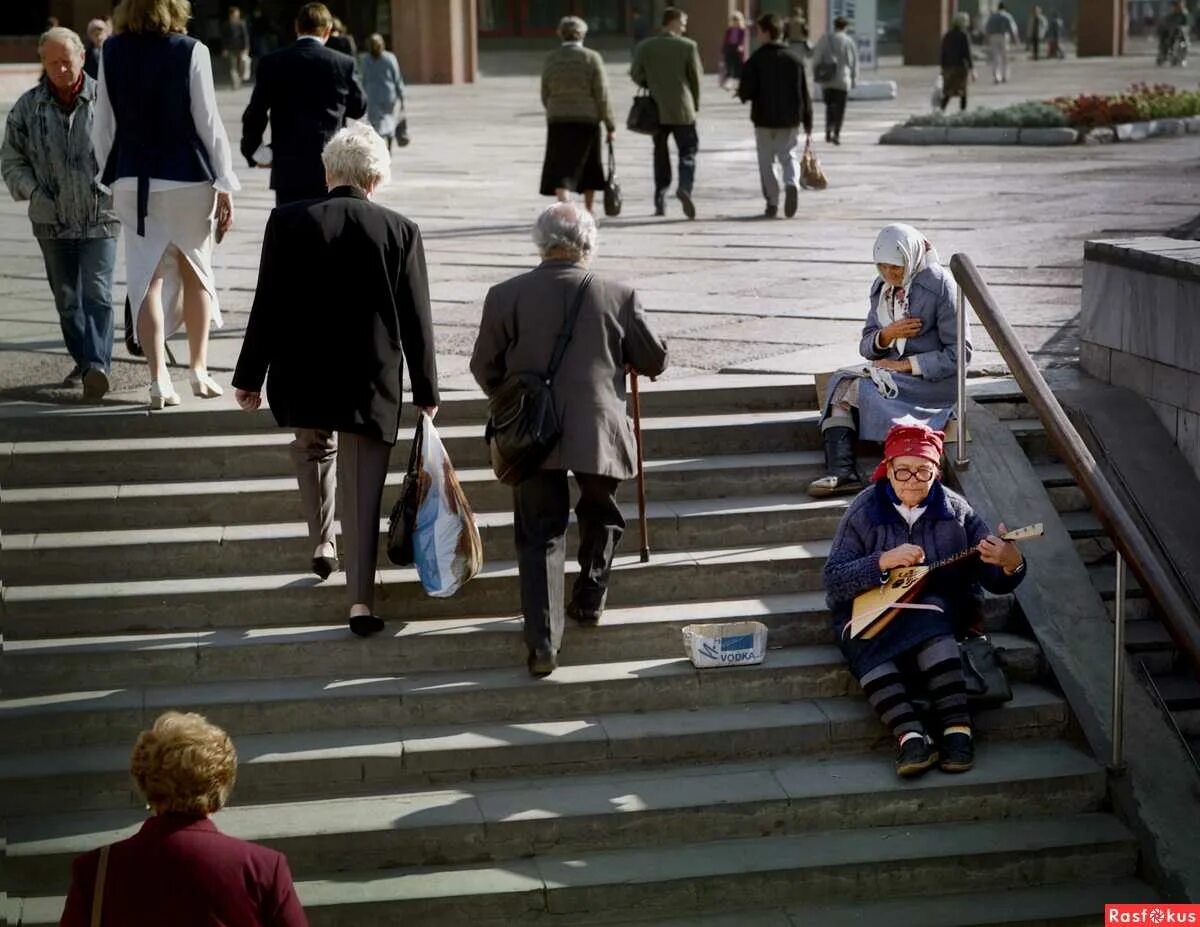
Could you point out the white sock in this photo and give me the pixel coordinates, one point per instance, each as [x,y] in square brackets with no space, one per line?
[905,738]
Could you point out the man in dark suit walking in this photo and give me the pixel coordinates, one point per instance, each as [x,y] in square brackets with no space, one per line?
[308,91]
[335,345]
[522,318]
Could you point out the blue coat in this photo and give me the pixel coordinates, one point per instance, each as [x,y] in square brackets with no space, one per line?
[871,526]
[930,397]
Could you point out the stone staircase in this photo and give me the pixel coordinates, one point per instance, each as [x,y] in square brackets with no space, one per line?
[421,777]
[1147,640]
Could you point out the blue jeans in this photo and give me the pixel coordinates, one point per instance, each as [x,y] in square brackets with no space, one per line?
[80,271]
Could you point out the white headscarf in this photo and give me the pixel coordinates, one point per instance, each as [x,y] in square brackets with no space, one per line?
[905,247]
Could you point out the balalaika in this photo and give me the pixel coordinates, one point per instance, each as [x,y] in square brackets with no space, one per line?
[874,610]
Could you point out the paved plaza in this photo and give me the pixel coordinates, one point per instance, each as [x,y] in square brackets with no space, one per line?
[733,291]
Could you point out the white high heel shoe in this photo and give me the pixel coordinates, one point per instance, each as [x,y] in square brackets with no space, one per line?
[203,385]
[161,396]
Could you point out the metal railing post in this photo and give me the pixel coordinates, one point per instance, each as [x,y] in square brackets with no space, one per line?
[960,450]
[1118,689]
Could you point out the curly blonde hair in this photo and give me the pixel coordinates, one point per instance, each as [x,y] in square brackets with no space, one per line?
[156,17]
[184,764]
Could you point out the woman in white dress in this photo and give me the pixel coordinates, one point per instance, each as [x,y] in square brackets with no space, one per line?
[164,152]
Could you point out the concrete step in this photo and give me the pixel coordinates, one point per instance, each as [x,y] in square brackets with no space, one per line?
[345,760]
[260,454]
[201,550]
[1034,440]
[476,822]
[1059,905]
[292,599]
[281,704]
[269,500]
[228,654]
[825,866]
[1181,691]
[24,421]
[1104,578]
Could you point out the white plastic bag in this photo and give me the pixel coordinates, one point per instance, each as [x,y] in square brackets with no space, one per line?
[935,98]
[447,550]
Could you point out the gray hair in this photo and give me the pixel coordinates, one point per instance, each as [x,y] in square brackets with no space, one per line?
[565,227]
[62,34]
[962,20]
[572,29]
[357,156]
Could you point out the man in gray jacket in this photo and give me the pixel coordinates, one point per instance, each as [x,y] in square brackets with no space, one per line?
[522,318]
[47,159]
[669,66]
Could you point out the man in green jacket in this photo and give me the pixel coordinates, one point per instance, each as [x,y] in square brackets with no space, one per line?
[669,66]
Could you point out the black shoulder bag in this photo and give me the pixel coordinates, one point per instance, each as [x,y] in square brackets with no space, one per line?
[523,425]
[643,115]
[612,186]
[403,523]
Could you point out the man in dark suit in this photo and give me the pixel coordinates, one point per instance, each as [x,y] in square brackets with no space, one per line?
[335,345]
[308,91]
[522,318]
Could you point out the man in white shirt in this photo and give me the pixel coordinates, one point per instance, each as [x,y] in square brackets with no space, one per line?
[1001,28]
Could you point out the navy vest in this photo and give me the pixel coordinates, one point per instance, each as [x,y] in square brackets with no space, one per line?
[147,77]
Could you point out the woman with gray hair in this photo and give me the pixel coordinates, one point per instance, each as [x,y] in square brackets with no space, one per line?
[958,61]
[385,91]
[342,303]
[575,95]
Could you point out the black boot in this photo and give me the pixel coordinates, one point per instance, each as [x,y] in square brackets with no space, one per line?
[841,474]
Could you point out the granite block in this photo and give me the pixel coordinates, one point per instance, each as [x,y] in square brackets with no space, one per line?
[1101,135]
[1188,438]
[1049,137]
[874,90]
[1167,127]
[1133,131]
[965,135]
[1132,372]
[1169,384]
[914,135]
[1101,320]
[1168,415]
[1152,313]
[1192,402]
[1095,359]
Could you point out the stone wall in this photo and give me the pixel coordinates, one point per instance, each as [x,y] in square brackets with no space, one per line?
[1140,327]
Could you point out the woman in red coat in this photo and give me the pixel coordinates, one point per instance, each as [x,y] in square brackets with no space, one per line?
[179,869]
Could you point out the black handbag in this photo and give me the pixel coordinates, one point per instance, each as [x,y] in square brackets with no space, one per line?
[523,425]
[983,669]
[403,521]
[825,71]
[612,187]
[643,115]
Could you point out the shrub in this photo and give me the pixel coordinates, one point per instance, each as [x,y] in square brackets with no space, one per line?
[1028,115]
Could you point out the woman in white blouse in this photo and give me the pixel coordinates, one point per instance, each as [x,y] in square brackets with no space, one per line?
[164,152]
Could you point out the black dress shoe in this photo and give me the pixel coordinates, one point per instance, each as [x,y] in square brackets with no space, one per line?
[689,208]
[365,625]
[915,756]
[75,377]
[542,662]
[957,753]
[95,384]
[588,617]
[770,212]
[660,204]
[791,200]
[323,566]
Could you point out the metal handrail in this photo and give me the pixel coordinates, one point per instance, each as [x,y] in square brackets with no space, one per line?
[1131,546]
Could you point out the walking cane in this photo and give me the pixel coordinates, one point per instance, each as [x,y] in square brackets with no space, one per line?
[641,466]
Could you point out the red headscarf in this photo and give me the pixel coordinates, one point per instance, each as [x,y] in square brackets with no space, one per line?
[910,441]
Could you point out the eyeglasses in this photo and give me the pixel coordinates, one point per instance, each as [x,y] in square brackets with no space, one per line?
[923,474]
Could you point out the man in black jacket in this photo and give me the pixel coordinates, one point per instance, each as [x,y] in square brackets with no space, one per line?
[309,91]
[332,347]
[773,82]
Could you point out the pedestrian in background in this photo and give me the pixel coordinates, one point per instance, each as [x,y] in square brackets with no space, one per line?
[47,159]
[308,91]
[522,318]
[958,61]
[332,345]
[575,95]
[1001,29]
[1054,35]
[171,171]
[384,87]
[97,32]
[669,66]
[342,41]
[774,84]
[179,869]
[1037,31]
[795,33]
[835,68]
[734,48]
[639,26]
[236,48]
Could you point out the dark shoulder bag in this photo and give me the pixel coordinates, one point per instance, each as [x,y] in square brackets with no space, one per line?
[403,522]
[983,671]
[523,425]
[643,115]
[612,186]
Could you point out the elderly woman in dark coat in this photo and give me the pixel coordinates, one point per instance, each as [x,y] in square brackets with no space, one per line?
[905,518]
[910,343]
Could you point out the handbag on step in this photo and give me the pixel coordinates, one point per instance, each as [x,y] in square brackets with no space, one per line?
[403,522]
[643,115]
[523,425]
[612,187]
[983,670]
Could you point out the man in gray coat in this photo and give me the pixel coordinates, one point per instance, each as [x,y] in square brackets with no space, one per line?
[47,159]
[669,66]
[522,318]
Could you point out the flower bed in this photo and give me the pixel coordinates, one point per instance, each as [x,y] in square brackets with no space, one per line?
[1028,115]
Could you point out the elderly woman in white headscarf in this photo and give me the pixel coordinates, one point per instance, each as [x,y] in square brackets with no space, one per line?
[910,343]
